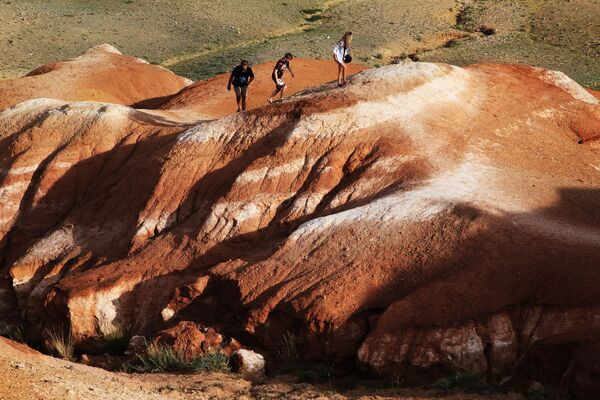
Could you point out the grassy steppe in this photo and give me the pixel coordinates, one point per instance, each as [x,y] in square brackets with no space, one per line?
[200,38]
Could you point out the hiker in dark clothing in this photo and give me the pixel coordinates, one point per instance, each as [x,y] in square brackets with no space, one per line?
[240,78]
[277,75]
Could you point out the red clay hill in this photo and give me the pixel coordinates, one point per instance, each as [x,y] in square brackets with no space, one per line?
[424,215]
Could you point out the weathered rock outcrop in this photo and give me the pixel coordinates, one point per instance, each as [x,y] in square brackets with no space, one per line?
[423,215]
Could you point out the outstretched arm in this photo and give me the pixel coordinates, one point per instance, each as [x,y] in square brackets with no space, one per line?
[291,72]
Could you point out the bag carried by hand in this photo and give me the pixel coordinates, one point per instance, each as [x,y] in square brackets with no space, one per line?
[347,58]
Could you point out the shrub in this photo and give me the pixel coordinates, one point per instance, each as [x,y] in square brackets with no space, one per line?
[116,339]
[465,381]
[160,358]
[61,344]
[315,373]
[289,348]
[312,10]
[314,18]
[14,332]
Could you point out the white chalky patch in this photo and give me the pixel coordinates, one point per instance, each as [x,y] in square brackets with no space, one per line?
[32,106]
[258,175]
[558,229]
[559,79]
[29,169]
[597,168]
[148,226]
[17,188]
[167,313]
[405,109]
[391,164]
[105,308]
[306,203]
[468,183]
[23,170]
[49,247]
[360,188]
[214,130]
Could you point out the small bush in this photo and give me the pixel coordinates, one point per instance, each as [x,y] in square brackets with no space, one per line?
[314,18]
[116,340]
[289,348]
[213,362]
[61,344]
[160,358]
[14,332]
[465,381]
[315,373]
[312,10]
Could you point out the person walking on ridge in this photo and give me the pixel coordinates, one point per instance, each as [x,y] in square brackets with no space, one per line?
[342,57]
[277,76]
[241,77]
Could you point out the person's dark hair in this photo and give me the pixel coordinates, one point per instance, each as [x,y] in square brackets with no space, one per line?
[289,55]
[244,62]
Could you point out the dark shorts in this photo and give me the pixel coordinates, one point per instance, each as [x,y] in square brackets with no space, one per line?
[241,90]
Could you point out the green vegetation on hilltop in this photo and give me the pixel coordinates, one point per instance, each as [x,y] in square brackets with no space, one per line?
[553,34]
[199,39]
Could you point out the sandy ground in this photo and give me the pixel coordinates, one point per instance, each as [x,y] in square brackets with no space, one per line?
[26,374]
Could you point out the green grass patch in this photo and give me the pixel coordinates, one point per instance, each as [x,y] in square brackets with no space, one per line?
[160,358]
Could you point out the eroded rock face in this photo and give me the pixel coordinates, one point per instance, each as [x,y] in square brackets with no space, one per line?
[412,216]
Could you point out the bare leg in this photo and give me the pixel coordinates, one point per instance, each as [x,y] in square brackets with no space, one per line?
[281,93]
[344,74]
[238,98]
[339,69]
[273,95]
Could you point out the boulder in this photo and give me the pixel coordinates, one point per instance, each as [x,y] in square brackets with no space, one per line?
[249,364]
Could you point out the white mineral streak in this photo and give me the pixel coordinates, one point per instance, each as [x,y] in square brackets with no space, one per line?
[562,81]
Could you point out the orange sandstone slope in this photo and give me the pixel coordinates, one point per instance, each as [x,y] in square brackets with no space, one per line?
[424,214]
[100,74]
[210,99]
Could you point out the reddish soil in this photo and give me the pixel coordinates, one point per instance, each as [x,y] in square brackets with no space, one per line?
[425,215]
[100,74]
[210,99]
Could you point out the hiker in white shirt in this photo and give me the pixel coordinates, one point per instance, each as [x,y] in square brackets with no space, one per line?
[342,57]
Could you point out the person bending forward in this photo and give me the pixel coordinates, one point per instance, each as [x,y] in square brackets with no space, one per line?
[277,75]
[340,51]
